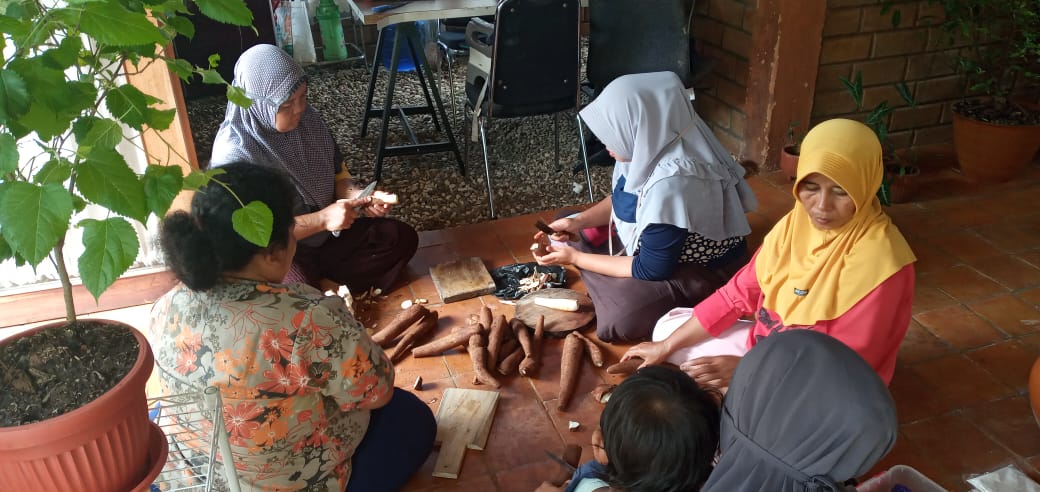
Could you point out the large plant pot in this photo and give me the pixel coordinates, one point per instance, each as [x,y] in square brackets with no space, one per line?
[106,445]
[993,153]
[789,162]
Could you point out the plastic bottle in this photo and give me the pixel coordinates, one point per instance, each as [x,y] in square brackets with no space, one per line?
[331,30]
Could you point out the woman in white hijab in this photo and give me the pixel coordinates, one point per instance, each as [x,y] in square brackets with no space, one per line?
[336,245]
[677,209]
[804,412]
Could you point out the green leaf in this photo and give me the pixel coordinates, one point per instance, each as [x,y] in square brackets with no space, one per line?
[897,18]
[182,25]
[210,76]
[8,154]
[112,24]
[14,95]
[254,223]
[78,203]
[238,96]
[213,60]
[45,121]
[6,252]
[161,186]
[110,247]
[105,178]
[15,27]
[102,133]
[233,12]
[129,105]
[65,55]
[55,171]
[34,218]
[904,92]
[195,180]
[180,67]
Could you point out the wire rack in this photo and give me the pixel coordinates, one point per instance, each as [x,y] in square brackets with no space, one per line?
[200,453]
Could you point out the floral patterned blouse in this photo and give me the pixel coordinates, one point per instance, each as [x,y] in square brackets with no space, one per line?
[296,372]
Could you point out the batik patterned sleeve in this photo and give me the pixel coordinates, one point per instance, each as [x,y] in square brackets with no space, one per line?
[358,373]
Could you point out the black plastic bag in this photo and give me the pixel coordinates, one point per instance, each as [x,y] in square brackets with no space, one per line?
[507,278]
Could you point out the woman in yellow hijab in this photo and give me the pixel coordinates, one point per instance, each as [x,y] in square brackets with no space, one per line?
[834,264]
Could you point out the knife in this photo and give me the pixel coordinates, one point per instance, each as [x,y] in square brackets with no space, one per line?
[560,461]
[365,192]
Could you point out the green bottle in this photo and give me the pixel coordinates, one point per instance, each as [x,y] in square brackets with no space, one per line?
[331,30]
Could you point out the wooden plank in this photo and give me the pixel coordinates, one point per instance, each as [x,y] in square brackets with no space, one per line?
[462,279]
[463,421]
[557,323]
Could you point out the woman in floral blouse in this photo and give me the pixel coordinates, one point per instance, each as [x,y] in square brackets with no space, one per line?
[309,399]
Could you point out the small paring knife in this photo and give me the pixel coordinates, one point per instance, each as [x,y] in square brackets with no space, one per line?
[367,191]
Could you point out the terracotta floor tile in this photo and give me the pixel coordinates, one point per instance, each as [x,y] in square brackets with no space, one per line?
[958,326]
[915,398]
[521,432]
[955,445]
[927,298]
[1010,235]
[963,283]
[1032,296]
[919,223]
[527,477]
[1010,422]
[960,382]
[1031,256]
[964,212]
[774,203]
[920,345]
[905,453]
[966,245]
[931,258]
[1009,362]
[1011,271]
[1010,314]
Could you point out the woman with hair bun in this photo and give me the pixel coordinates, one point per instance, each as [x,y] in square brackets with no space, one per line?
[309,398]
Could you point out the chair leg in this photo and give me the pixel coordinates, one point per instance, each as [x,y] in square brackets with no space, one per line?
[584,155]
[556,133]
[451,87]
[487,168]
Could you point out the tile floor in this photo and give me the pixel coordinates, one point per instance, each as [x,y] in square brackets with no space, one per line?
[960,383]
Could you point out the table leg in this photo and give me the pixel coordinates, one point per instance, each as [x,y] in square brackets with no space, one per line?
[388,103]
[422,81]
[372,82]
[426,72]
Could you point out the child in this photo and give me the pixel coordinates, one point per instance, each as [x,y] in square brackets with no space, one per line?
[659,432]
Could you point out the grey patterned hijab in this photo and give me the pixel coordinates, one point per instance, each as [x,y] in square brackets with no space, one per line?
[269,77]
[803,413]
[682,174]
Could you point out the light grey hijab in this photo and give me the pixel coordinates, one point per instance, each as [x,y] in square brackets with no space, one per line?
[681,173]
[804,412]
[269,77]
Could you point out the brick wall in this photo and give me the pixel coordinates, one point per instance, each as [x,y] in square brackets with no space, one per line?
[856,36]
[723,32]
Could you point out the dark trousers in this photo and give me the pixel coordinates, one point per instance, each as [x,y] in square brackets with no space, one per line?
[399,439]
[628,308]
[372,253]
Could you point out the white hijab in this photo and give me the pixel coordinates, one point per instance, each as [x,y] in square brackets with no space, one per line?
[680,171]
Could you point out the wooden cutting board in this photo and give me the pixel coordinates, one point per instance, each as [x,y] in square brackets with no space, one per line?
[462,279]
[463,422]
[557,323]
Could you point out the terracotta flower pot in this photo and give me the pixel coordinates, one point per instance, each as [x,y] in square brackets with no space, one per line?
[106,445]
[789,161]
[902,180]
[992,153]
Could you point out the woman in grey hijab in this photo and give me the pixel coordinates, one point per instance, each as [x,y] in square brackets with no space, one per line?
[337,246]
[804,412]
[678,208]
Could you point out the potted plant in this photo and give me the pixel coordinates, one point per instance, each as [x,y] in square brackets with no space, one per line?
[64,107]
[999,54]
[899,180]
[789,154]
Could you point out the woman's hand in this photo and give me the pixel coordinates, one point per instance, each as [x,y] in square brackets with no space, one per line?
[716,371]
[558,255]
[342,213]
[377,208]
[652,353]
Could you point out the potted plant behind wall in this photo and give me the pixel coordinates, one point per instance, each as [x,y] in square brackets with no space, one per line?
[72,402]
[789,154]
[999,54]
[899,181]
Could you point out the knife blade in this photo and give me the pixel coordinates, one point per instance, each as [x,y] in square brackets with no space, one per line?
[560,460]
[365,192]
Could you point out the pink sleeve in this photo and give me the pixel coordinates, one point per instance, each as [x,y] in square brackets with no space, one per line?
[876,325]
[738,297]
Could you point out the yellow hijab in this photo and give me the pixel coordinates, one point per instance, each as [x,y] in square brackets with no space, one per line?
[807,274]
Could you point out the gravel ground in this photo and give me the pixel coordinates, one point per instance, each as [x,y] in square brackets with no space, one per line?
[434,195]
